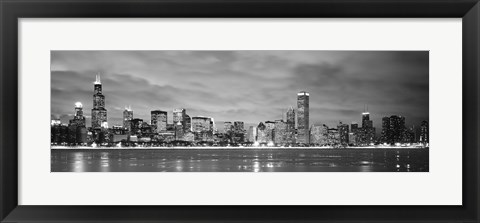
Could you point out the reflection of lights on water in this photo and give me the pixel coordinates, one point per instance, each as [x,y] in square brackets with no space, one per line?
[179,165]
[104,162]
[247,160]
[77,156]
[105,166]
[79,164]
[256,167]
[365,168]
[104,156]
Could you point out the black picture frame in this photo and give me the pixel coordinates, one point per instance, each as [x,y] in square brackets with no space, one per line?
[12,10]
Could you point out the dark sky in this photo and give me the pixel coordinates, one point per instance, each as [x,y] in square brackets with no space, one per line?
[249,86]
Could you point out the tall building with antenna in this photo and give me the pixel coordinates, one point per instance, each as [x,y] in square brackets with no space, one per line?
[99,113]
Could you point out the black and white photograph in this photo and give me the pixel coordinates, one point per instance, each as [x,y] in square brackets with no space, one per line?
[239,111]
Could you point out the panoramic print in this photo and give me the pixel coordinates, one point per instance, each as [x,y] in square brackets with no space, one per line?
[240,111]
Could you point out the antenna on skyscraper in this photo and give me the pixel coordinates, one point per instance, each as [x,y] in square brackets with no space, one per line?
[97,79]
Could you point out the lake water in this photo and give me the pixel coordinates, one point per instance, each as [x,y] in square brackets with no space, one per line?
[240,160]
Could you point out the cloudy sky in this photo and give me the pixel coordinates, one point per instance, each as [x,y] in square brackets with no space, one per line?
[249,86]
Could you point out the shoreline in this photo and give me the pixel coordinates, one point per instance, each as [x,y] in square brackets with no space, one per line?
[228,148]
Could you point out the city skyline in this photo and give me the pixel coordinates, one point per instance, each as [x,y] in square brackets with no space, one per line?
[294,129]
[68,79]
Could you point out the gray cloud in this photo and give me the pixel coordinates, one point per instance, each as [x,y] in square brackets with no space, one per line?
[250,86]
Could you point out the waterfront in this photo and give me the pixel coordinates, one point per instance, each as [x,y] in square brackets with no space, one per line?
[240,160]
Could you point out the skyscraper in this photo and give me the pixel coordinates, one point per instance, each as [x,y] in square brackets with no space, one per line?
[394,131]
[290,124]
[227,127]
[366,122]
[158,121]
[252,134]
[352,139]
[355,134]
[386,136]
[238,132]
[77,129]
[179,116]
[201,124]
[188,123]
[367,134]
[409,135]
[424,137]
[127,118]
[354,127]
[78,119]
[203,128]
[99,113]
[333,137]
[136,125]
[303,115]
[261,133]
[343,132]
[280,132]
[318,134]
[397,128]
[269,127]
[238,126]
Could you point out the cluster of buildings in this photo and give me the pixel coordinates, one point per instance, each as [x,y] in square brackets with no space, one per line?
[293,130]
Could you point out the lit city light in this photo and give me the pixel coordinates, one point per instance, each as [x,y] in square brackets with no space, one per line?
[200,131]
